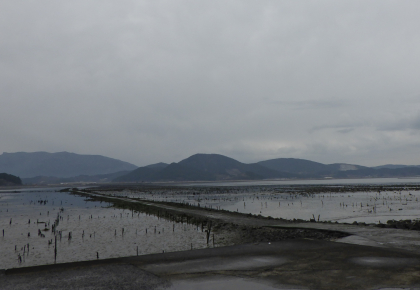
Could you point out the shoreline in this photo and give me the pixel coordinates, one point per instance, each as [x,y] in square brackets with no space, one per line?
[266,253]
[292,181]
[297,264]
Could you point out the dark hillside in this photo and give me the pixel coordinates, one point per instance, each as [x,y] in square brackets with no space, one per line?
[294,165]
[228,168]
[9,179]
[179,172]
[142,173]
[203,167]
[100,178]
[62,164]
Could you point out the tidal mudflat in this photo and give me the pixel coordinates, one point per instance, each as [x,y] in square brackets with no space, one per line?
[335,203]
[36,223]
[266,255]
[46,226]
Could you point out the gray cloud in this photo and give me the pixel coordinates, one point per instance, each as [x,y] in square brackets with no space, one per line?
[310,104]
[402,123]
[345,131]
[149,81]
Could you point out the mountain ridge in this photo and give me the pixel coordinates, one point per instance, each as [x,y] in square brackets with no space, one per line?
[60,164]
[205,167]
[211,167]
[65,167]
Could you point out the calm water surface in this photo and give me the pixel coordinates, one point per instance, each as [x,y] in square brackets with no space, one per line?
[96,230]
[296,202]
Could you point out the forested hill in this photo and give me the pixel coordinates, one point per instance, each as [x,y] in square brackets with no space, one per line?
[8,179]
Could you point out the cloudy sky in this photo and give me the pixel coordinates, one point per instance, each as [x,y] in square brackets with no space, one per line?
[150,81]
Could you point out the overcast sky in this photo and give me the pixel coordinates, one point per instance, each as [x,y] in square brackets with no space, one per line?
[150,81]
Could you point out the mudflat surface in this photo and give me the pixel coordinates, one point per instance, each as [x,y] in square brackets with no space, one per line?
[367,235]
[362,235]
[298,264]
[111,276]
[272,261]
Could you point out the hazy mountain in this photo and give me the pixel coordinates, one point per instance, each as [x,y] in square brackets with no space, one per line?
[157,166]
[408,171]
[294,165]
[228,168]
[345,167]
[76,179]
[179,172]
[310,169]
[142,173]
[394,166]
[206,167]
[9,179]
[64,167]
[62,164]
[203,167]
[307,167]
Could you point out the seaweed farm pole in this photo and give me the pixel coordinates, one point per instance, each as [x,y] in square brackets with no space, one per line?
[55,250]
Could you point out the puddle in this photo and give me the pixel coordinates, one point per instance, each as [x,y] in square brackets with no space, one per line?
[385,261]
[357,240]
[409,288]
[217,264]
[117,276]
[226,283]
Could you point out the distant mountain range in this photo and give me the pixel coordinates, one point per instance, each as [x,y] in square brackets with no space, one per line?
[62,164]
[202,167]
[394,166]
[208,167]
[99,178]
[64,167]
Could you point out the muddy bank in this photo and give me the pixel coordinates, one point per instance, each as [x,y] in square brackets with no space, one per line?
[246,234]
[222,227]
[413,225]
[297,264]
[343,203]
[296,188]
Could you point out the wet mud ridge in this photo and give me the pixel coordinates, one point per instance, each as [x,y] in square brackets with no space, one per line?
[250,228]
[242,228]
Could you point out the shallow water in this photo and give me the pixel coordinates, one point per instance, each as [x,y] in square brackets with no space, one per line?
[369,206]
[100,231]
[96,230]
[226,283]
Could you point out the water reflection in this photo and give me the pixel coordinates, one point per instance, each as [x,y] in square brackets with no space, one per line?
[86,230]
[331,203]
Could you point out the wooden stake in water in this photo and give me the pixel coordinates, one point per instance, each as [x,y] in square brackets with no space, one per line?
[55,250]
